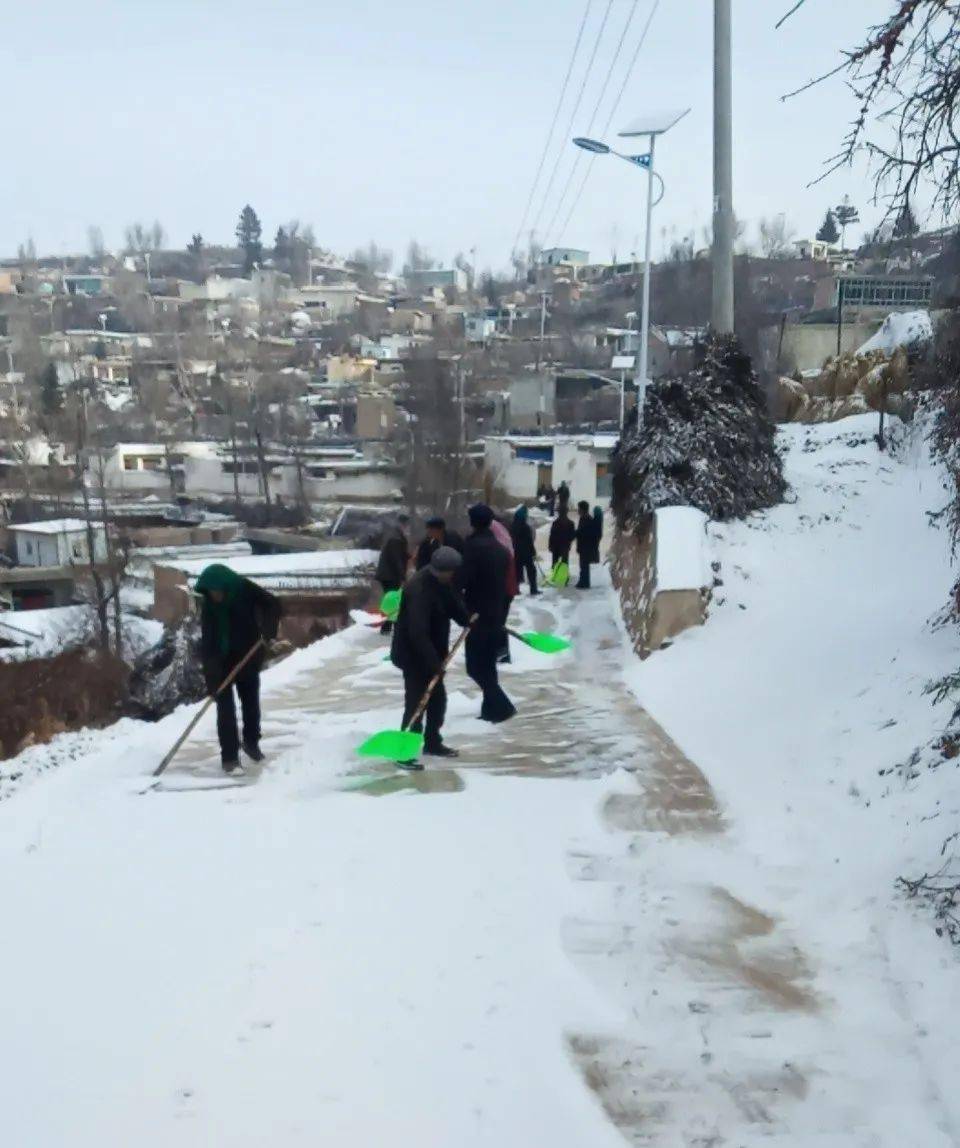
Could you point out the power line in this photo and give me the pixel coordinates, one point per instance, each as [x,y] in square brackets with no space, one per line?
[556,116]
[593,117]
[613,112]
[573,114]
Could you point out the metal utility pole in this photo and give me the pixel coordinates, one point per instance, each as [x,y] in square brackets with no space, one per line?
[543,323]
[645,304]
[722,309]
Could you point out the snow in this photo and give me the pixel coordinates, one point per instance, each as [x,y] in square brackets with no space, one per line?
[43,632]
[572,921]
[305,562]
[805,682]
[55,526]
[901,329]
[683,561]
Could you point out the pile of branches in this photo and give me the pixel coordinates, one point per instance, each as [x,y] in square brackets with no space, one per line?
[941,892]
[705,441]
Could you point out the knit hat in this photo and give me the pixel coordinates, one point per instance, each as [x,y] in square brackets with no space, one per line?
[445,560]
[435,523]
[480,515]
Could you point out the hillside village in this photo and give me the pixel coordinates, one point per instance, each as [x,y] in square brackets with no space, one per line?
[177,399]
[481,696]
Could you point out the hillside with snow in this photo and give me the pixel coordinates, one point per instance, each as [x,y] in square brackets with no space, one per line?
[673,922]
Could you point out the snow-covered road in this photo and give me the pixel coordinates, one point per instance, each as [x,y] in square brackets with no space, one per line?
[564,941]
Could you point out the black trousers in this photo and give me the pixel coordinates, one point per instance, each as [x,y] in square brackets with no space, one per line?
[528,567]
[483,646]
[415,683]
[584,583]
[248,690]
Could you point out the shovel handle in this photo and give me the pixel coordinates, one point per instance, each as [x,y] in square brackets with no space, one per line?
[425,700]
[227,681]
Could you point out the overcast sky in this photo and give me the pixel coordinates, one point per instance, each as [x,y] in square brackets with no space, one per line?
[392,119]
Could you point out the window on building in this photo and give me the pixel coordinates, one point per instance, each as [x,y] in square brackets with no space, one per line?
[77,549]
[129,462]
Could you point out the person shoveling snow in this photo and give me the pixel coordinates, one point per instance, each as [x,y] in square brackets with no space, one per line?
[237,615]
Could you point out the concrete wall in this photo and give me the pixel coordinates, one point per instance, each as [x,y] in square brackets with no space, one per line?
[532,396]
[517,477]
[652,617]
[809,345]
[577,467]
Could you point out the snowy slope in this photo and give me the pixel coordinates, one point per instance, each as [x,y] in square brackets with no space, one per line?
[805,683]
[900,329]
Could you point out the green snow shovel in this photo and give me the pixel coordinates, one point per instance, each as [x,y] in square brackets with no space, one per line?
[405,744]
[542,643]
[559,576]
[390,604]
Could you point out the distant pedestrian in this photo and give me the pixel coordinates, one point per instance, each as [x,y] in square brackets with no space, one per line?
[394,560]
[421,642]
[562,534]
[437,535]
[588,544]
[236,614]
[598,523]
[551,501]
[563,497]
[484,580]
[524,549]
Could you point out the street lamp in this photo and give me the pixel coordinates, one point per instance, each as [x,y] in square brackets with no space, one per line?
[647,127]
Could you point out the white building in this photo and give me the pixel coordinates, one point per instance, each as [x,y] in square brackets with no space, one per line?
[60,542]
[143,466]
[558,256]
[520,464]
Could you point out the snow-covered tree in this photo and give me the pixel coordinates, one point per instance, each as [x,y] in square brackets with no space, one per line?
[829,232]
[706,441]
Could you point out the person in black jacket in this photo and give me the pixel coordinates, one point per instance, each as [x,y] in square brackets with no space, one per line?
[484,582]
[588,544]
[236,615]
[437,535]
[394,560]
[562,534]
[563,498]
[524,549]
[421,642]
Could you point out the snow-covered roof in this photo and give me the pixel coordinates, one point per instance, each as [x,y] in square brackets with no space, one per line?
[308,563]
[682,557]
[901,329]
[55,526]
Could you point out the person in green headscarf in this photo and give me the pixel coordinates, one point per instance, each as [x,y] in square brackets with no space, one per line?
[236,615]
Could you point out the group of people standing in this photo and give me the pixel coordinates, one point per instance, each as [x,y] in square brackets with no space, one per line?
[471,581]
[463,580]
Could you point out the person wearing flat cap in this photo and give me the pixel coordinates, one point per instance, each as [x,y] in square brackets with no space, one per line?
[421,642]
[484,583]
[437,535]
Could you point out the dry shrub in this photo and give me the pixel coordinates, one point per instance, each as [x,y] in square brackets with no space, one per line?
[47,696]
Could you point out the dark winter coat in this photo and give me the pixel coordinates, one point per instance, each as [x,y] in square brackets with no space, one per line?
[524,547]
[562,534]
[394,557]
[563,496]
[483,578]
[252,613]
[427,547]
[588,539]
[421,634]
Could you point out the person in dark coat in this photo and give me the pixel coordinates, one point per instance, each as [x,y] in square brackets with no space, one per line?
[524,549]
[437,535]
[236,615]
[421,642]
[562,534]
[484,581]
[588,544]
[551,501]
[394,560]
[563,497]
